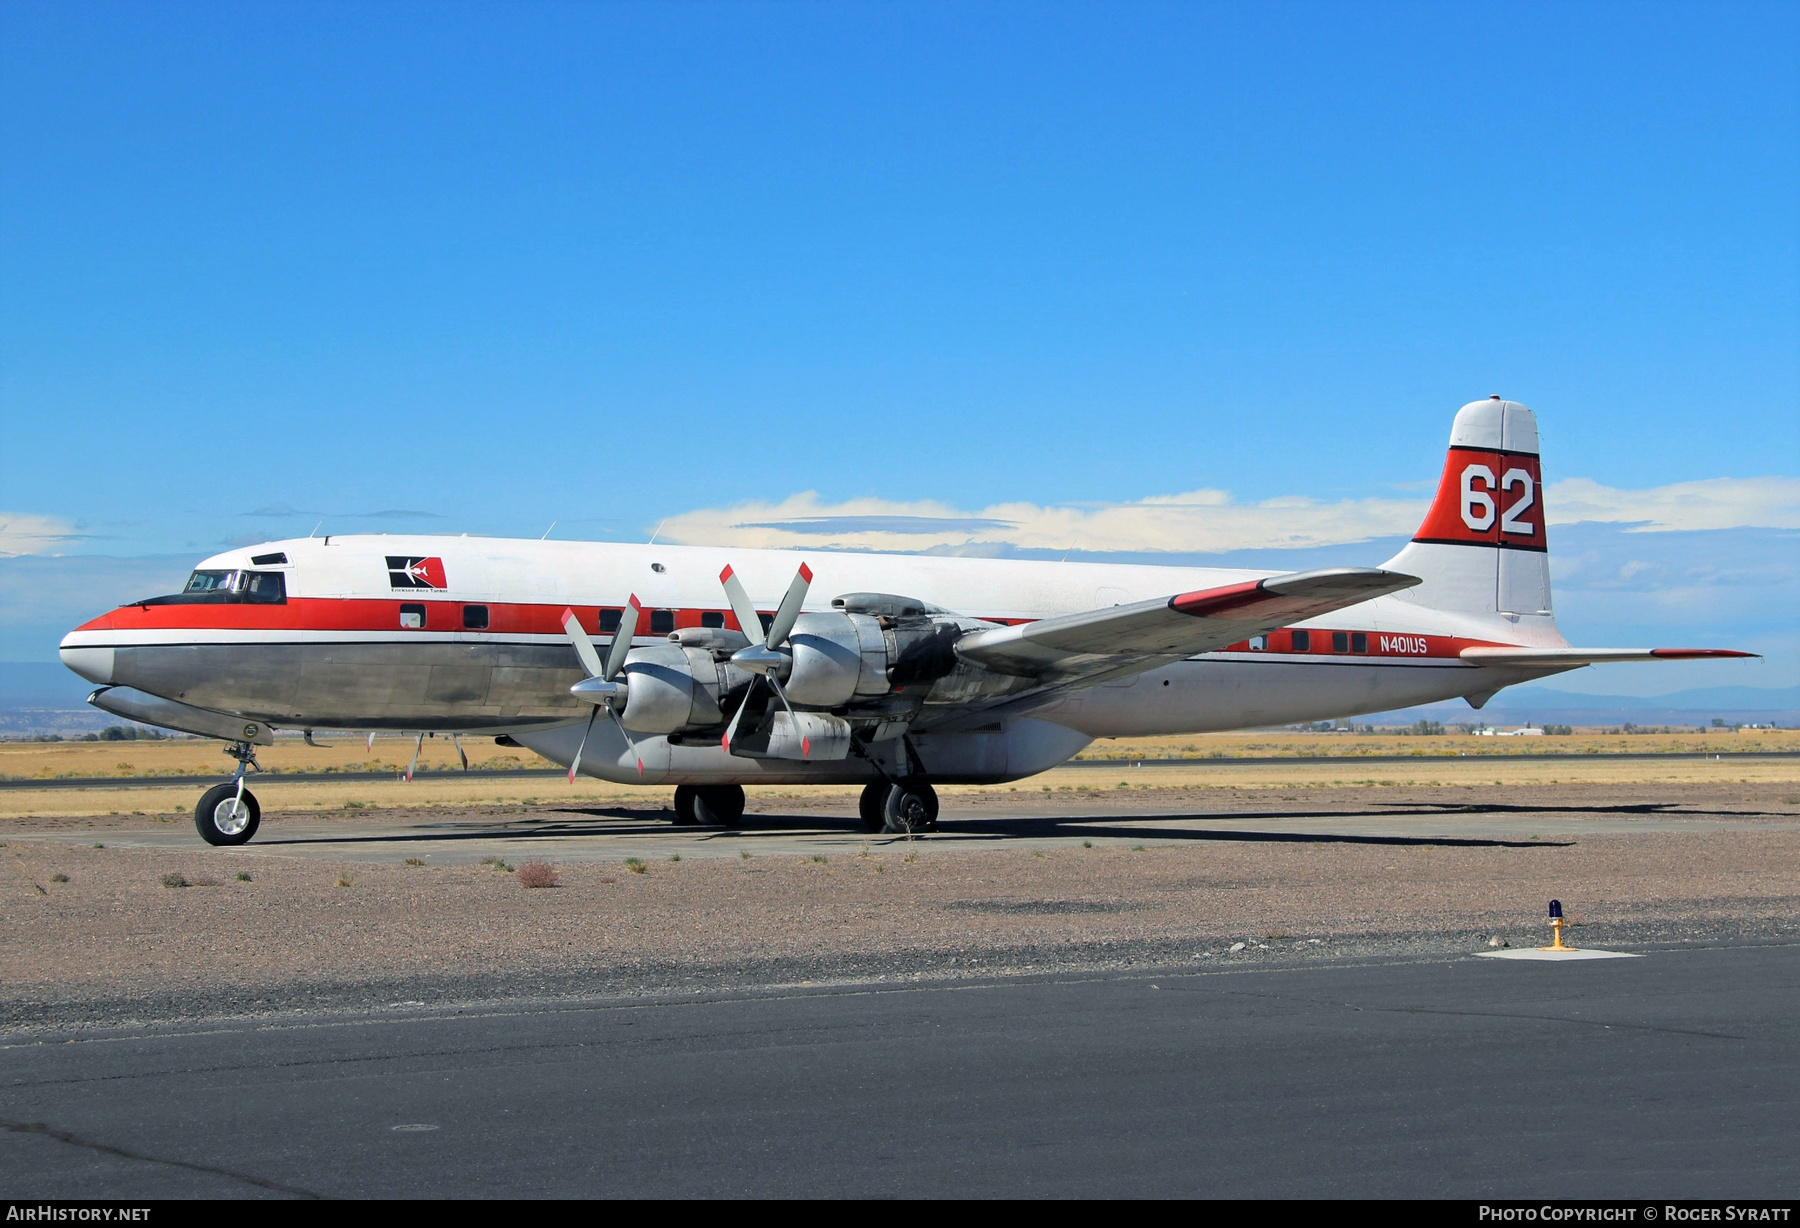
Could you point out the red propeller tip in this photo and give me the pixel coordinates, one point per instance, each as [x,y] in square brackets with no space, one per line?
[806,573]
[805,747]
[726,574]
[632,601]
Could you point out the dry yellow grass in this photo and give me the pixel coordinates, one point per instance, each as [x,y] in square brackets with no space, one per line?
[200,757]
[1582,742]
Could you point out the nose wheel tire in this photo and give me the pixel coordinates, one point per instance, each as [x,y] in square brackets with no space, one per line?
[222,817]
[910,808]
[708,805]
[868,806]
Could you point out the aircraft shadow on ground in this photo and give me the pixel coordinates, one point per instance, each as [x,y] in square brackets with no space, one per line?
[1069,827]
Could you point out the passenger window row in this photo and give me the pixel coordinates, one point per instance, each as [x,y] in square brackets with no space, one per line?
[414,616]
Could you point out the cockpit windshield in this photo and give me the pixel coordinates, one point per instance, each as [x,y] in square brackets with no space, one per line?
[210,581]
[235,586]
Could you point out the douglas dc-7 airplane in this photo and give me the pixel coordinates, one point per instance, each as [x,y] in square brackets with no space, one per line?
[911,670]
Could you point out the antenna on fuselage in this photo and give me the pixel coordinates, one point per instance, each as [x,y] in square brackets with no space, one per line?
[315,529]
[547,532]
[659,525]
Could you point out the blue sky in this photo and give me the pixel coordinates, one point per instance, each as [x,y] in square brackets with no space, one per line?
[481,268]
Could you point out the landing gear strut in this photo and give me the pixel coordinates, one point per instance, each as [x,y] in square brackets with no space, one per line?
[899,806]
[708,805]
[229,813]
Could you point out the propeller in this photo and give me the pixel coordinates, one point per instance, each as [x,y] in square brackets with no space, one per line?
[601,687]
[764,660]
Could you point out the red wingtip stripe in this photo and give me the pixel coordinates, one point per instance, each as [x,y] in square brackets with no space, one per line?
[806,573]
[1689,654]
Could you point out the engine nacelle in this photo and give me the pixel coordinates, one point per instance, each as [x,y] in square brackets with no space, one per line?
[670,687]
[838,659]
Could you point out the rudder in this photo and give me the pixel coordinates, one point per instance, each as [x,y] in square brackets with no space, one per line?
[1482,547]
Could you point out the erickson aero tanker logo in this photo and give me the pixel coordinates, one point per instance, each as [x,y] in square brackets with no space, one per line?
[405,571]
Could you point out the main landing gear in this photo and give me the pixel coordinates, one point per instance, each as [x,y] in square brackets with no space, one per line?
[708,805]
[898,808]
[229,813]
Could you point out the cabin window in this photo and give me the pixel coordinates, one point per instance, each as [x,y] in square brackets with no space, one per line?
[1302,641]
[1359,642]
[475,618]
[1340,641]
[662,622]
[412,615]
[1258,643]
[268,560]
[609,621]
[712,618]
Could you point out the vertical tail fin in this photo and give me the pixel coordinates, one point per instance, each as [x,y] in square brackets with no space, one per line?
[1482,547]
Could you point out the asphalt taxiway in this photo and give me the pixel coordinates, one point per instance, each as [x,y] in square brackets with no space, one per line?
[1673,1075]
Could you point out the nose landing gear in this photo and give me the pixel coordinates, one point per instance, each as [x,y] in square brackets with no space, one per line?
[229,813]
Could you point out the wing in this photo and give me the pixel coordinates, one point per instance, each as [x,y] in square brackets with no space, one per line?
[1126,639]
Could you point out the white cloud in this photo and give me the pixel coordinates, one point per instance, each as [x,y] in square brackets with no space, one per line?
[1204,521]
[1715,503]
[21,533]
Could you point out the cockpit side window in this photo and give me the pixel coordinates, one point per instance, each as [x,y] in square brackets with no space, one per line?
[262,587]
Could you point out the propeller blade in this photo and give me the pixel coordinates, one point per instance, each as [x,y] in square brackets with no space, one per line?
[748,622]
[369,747]
[731,729]
[790,608]
[460,752]
[621,642]
[805,742]
[626,734]
[584,647]
[413,766]
[575,763]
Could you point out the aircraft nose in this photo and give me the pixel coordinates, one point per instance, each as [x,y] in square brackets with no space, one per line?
[91,662]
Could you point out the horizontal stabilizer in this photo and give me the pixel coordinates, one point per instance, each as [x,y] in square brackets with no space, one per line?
[1590,656]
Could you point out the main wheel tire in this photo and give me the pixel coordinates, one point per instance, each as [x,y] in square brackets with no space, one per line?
[910,808]
[868,806]
[687,799]
[719,805]
[222,818]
